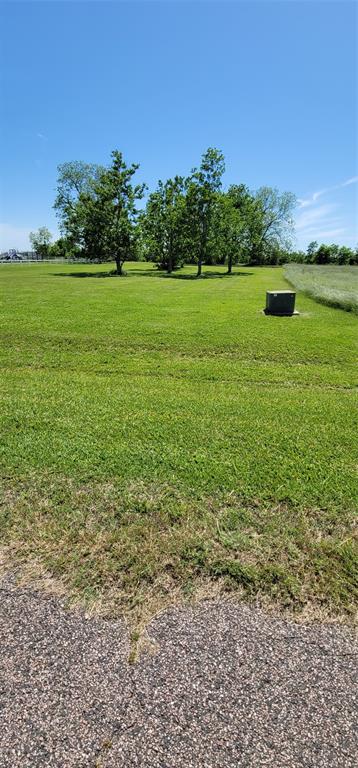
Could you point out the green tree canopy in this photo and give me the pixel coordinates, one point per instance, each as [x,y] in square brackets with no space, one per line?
[40,241]
[271,225]
[103,219]
[74,178]
[202,188]
[163,224]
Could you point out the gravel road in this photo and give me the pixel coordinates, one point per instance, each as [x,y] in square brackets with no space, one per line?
[228,687]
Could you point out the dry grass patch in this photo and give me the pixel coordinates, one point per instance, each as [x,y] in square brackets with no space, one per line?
[135,549]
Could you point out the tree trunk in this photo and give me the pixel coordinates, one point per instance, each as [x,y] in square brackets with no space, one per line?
[119,267]
[229,265]
[202,252]
[170,255]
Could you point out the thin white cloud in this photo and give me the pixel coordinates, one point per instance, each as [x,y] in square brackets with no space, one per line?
[353,180]
[324,221]
[315,216]
[42,136]
[308,201]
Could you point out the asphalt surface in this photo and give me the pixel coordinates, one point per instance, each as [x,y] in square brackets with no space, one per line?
[228,687]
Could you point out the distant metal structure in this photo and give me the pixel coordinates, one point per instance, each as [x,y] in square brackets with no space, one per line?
[14,255]
[11,255]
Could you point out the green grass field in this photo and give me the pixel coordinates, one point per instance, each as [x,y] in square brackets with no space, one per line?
[161,434]
[336,286]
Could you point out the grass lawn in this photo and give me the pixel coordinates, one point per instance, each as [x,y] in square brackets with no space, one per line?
[161,435]
[336,286]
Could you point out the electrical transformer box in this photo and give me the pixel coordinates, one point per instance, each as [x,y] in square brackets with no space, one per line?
[280,303]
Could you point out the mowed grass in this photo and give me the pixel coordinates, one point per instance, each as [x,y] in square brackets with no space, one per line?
[161,435]
[330,284]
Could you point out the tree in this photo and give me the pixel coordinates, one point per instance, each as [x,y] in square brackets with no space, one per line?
[297,257]
[333,253]
[63,248]
[40,241]
[323,254]
[163,224]
[103,219]
[202,188]
[346,255]
[74,178]
[240,211]
[271,225]
[311,251]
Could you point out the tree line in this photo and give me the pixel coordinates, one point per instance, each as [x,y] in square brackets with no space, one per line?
[185,219]
[325,254]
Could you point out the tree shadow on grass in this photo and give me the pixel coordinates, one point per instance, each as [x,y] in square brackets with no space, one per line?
[87,274]
[153,273]
[204,275]
[180,276]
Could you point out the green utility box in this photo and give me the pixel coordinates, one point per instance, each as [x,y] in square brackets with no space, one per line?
[280,303]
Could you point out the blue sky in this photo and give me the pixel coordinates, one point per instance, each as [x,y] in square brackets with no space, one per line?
[272,84]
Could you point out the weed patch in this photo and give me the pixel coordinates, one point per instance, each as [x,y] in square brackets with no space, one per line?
[335,286]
